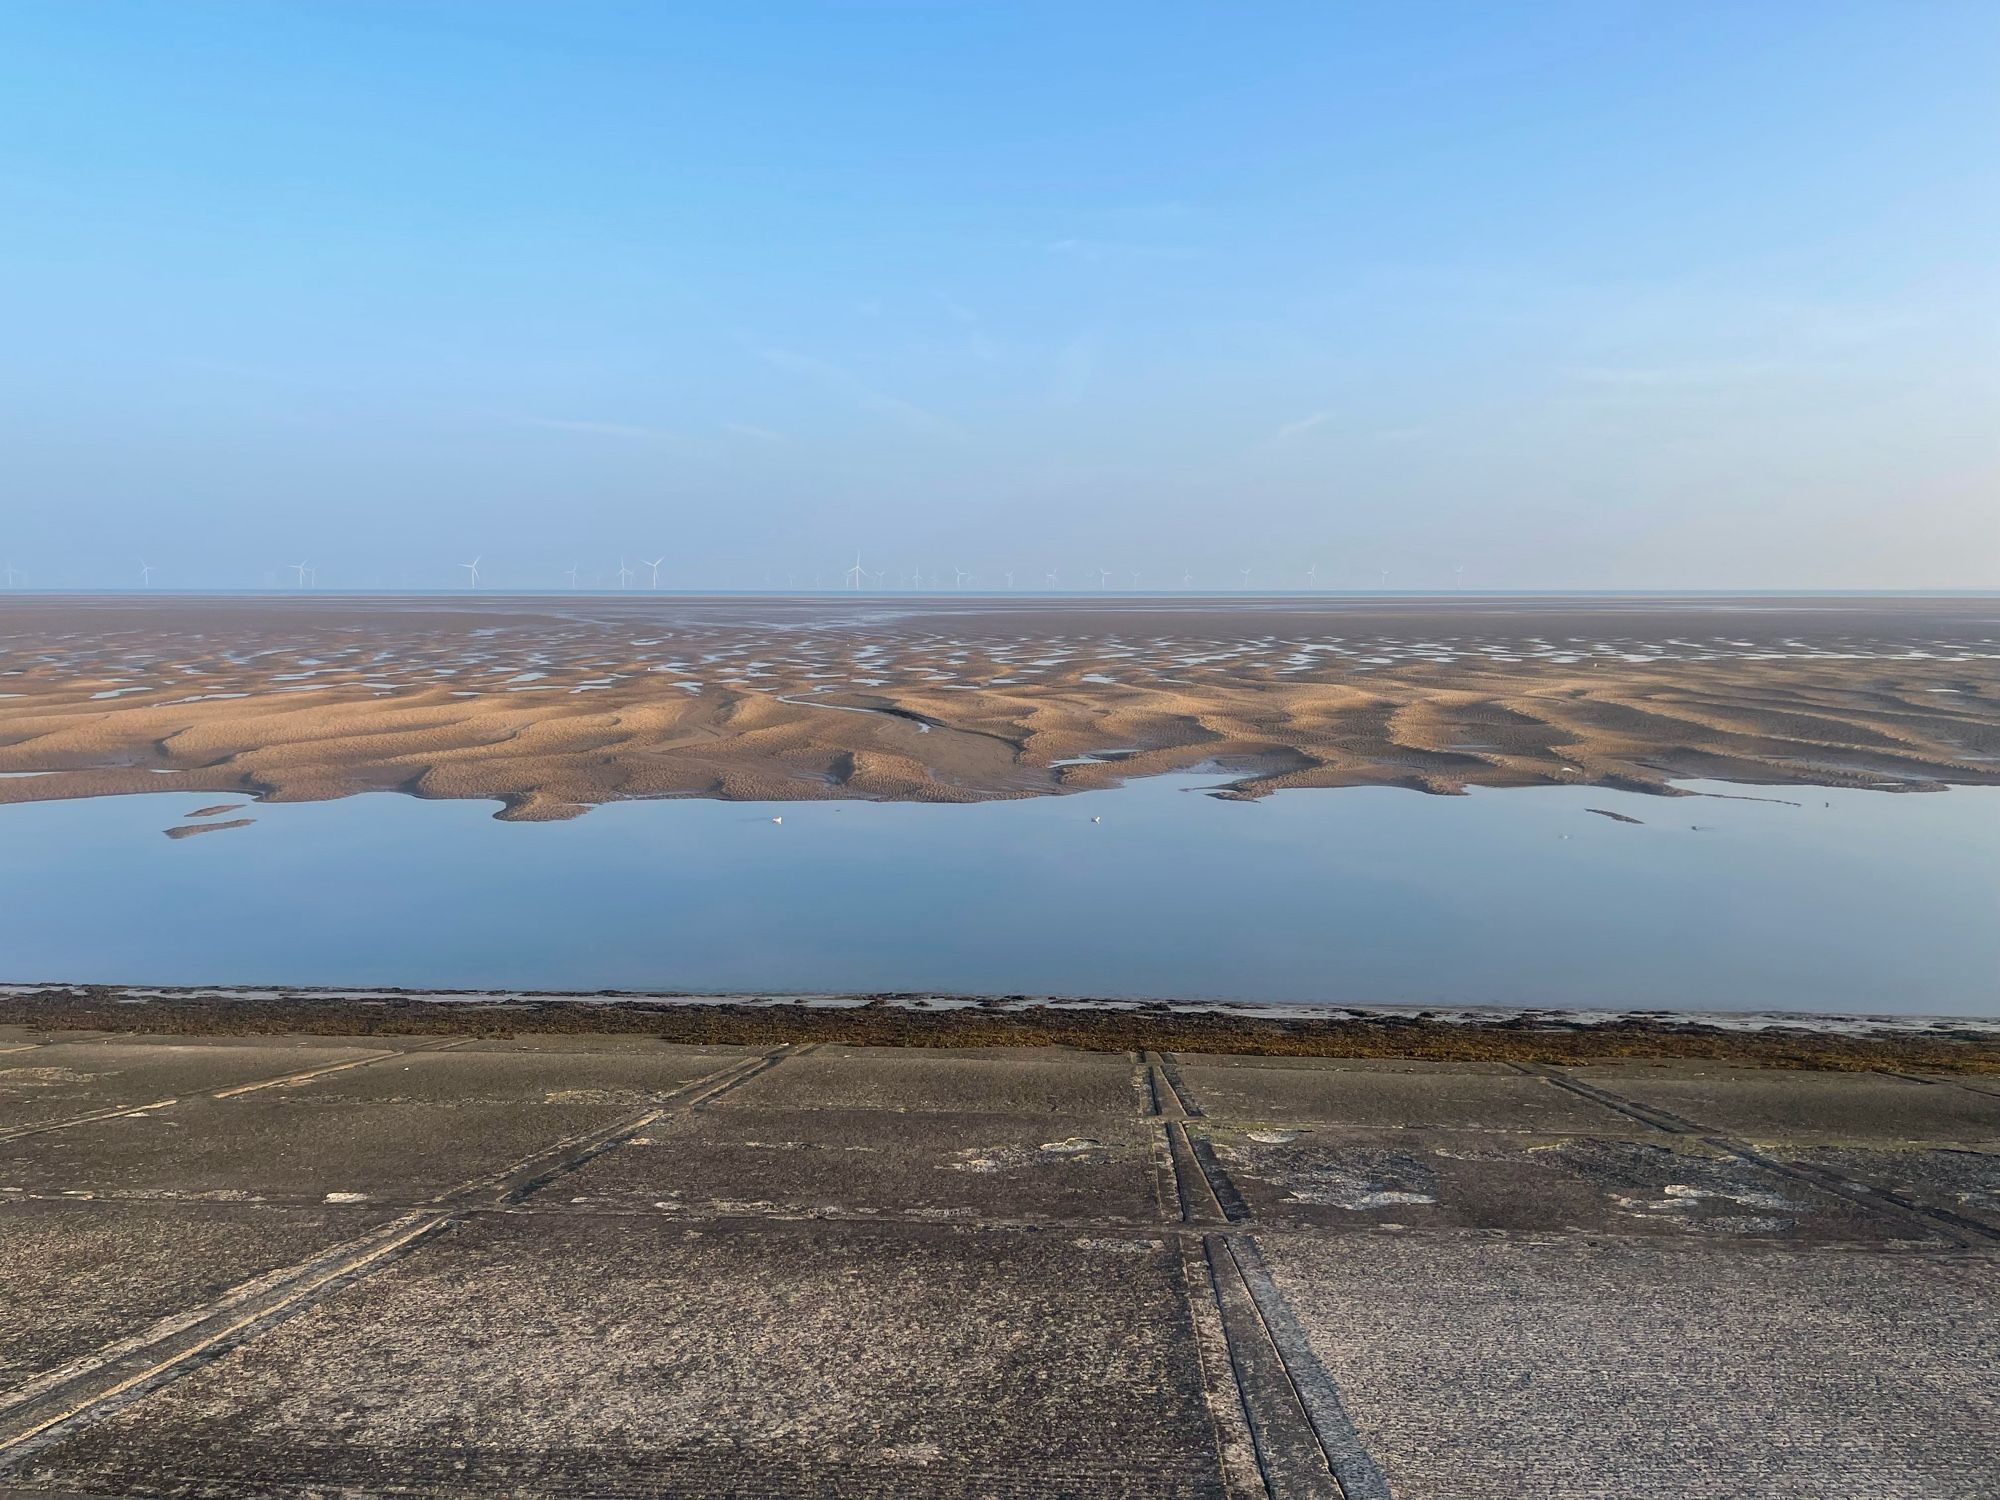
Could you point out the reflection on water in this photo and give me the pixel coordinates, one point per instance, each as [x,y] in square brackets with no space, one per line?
[1813,900]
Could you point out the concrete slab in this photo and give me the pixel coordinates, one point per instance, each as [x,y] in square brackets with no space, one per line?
[467,1076]
[874,1272]
[283,1041]
[932,1165]
[78,1078]
[1049,1081]
[1477,1368]
[1413,1066]
[1332,1178]
[556,1041]
[1440,1097]
[1768,1105]
[1958,1180]
[269,1148]
[620,1356]
[75,1276]
[20,1037]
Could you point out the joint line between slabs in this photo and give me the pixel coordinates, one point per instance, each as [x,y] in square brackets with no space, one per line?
[1354,1469]
[125,1111]
[1966,1232]
[525,1179]
[293,1290]
[1940,1083]
[1253,1428]
[307,1075]
[288,1303]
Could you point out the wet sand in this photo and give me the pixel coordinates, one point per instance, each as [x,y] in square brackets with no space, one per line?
[588,1265]
[551,705]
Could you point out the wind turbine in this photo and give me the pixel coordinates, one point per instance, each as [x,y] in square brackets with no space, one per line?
[1246,578]
[959,576]
[473,568]
[1458,576]
[145,574]
[1187,580]
[301,569]
[1312,576]
[1104,578]
[1049,578]
[1010,578]
[1135,578]
[625,574]
[12,575]
[855,574]
[570,574]
[654,564]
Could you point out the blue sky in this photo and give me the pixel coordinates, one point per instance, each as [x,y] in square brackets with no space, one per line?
[1559,295]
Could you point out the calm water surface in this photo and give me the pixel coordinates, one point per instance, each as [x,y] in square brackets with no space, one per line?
[1848,901]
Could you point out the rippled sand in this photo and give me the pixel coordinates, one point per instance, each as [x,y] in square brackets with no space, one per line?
[550,705]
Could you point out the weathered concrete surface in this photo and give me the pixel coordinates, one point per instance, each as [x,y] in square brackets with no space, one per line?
[554,1266]
[1386,1094]
[1486,1369]
[68,1080]
[620,1355]
[1767,1106]
[1028,1081]
[78,1274]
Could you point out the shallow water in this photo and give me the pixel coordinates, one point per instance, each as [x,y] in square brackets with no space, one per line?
[1813,900]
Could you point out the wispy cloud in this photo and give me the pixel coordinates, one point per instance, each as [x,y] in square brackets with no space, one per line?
[602,429]
[846,384]
[1116,250]
[1301,427]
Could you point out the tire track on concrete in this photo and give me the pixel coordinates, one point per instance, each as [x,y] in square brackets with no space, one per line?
[88,1389]
[1966,1233]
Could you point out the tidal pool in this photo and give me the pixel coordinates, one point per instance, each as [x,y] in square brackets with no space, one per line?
[1861,902]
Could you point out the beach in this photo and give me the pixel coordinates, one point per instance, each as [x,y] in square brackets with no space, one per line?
[550,705]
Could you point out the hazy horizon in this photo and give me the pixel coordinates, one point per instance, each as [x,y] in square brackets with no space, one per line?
[1577,297]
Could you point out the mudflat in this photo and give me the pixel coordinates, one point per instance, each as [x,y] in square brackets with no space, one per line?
[591,1264]
[549,705]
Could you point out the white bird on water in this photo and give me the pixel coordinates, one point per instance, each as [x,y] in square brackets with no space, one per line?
[1096,820]
[779,819]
